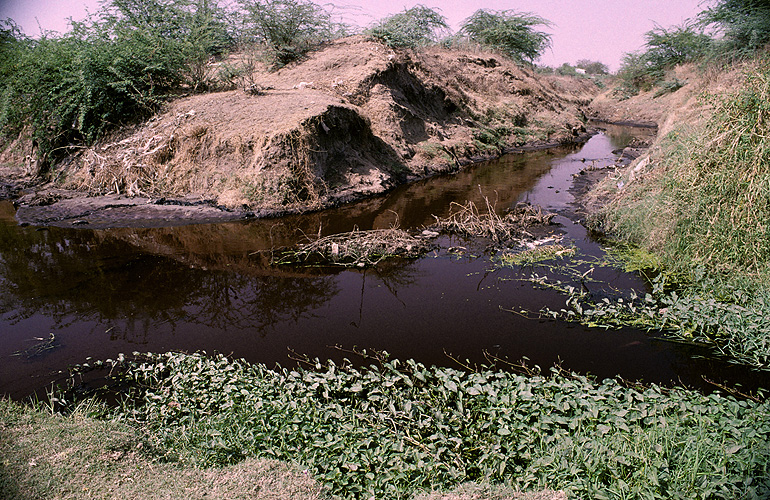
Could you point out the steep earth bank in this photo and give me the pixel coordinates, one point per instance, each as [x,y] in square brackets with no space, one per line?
[354,119]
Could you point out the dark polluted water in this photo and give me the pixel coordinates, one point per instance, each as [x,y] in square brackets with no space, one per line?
[70,294]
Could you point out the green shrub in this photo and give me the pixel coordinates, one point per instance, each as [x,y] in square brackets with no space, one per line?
[114,68]
[288,28]
[509,32]
[743,24]
[664,49]
[412,28]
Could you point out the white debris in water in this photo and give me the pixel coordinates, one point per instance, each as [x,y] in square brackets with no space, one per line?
[542,241]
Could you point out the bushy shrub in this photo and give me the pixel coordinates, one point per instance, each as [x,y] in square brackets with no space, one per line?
[664,49]
[412,28]
[677,45]
[288,28]
[509,32]
[114,68]
[743,24]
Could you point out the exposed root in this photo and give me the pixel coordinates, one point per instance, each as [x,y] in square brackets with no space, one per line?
[468,220]
[356,249]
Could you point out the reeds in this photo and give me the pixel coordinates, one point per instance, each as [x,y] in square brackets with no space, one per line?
[468,220]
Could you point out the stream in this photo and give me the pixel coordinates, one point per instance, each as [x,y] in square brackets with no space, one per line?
[71,294]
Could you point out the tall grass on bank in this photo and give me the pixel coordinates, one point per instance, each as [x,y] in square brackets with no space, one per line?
[704,204]
[701,203]
[393,429]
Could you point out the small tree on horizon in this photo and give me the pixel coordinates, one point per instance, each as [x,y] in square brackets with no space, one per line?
[412,28]
[288,28]
[592,67]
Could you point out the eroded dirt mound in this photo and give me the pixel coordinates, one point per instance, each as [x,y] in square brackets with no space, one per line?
[354,119]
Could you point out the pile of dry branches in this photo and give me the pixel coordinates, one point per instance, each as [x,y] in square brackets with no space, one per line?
[469,221]
[356,248]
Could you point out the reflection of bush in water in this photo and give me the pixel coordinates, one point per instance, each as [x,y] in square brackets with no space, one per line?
[76,278]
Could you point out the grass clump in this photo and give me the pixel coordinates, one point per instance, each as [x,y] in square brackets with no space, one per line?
[394,429]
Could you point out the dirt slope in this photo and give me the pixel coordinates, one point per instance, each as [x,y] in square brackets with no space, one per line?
[354,119]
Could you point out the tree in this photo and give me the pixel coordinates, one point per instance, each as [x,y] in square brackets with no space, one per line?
[289,28]
[592,67]
[411,28]
[677,45]
[509,32]
[744,24]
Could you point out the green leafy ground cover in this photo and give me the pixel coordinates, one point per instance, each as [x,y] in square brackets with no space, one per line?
[394,428]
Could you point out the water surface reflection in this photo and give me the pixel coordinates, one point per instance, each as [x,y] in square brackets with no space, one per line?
[210,287]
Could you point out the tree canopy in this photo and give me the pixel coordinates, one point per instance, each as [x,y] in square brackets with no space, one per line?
[509,32]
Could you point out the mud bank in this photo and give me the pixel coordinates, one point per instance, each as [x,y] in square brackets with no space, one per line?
[355,119]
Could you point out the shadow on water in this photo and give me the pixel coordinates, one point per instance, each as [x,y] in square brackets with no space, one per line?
[68,294]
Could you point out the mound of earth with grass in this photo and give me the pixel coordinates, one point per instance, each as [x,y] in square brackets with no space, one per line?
[353,119]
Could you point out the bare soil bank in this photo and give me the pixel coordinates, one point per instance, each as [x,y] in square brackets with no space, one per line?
[354,119]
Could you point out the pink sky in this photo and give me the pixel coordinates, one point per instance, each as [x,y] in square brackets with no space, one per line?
[600,30]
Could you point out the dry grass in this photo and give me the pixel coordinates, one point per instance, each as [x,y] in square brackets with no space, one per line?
[77,457]
[356,248]
[468,220]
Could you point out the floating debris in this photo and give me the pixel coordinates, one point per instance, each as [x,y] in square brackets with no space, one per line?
[469,221]
[42,345]
[356,248]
